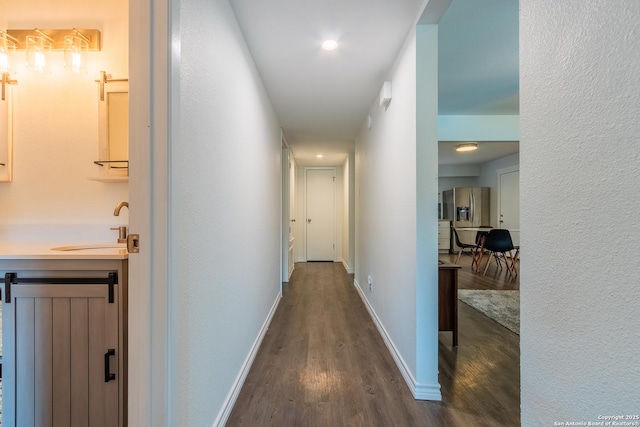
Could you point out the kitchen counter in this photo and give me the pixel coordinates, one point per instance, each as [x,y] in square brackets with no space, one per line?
[43,250]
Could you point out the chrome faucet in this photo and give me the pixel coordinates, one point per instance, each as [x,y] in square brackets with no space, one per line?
[122,230]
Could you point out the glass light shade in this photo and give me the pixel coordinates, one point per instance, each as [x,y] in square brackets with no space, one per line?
[38,49]
[4,61]
[7,51]
[75,54]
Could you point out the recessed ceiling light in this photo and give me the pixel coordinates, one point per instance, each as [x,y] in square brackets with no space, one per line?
[330,45]
[469,146]
[319,156]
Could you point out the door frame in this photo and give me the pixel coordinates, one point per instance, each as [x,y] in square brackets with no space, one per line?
[334,169]
[499,173]
[154,64]
[287,158]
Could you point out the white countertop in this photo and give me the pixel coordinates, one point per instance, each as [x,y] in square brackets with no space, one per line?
[43,250]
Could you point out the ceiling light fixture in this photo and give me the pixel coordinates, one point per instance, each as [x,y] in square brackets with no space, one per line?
[330,45]
[319,156]
[468,146]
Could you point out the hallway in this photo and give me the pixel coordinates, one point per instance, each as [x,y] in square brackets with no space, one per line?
[323,363]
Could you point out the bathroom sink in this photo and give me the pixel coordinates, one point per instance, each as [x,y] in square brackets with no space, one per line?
[91,246]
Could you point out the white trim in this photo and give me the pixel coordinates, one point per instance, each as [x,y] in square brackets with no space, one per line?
[152,70]
[419,391]
[230,401]
[346,266]
[285,196]
[335,225]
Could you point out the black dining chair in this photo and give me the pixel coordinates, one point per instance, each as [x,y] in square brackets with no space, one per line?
[471,247]
[481,235]
[500,246]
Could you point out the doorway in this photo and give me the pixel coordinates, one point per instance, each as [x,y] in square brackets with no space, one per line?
[320,214]
[288,210]
[509,201]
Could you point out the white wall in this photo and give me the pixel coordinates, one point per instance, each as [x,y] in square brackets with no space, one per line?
[225,205]
[579,171]
[386,220]
[56,129]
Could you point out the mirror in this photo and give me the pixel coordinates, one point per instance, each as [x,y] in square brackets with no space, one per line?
[6,134]
[114,130]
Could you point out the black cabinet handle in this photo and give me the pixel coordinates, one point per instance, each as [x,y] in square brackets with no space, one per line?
[13,279]
[108,376]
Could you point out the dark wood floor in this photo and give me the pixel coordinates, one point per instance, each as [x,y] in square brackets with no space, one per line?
[323,363]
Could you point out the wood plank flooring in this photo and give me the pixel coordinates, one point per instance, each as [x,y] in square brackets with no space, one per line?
[323,363]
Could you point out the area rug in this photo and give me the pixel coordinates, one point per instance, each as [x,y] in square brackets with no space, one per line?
[501,306]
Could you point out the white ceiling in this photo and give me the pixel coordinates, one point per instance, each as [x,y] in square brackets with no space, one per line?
[322,98]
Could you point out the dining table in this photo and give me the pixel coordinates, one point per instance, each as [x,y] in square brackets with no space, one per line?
[478,253]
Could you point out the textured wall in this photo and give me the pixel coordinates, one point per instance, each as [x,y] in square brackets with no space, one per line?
[388,214]
[580,195]
[224,213]
[386,207]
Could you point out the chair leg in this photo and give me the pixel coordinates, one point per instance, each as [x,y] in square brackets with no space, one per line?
[512,268]
[479,260]
[486,267]
[498,259]
[458,257]
[474,259]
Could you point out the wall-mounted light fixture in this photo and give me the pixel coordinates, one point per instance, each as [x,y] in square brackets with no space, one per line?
[467,146]
[76,47]
[38,44]
[7,52]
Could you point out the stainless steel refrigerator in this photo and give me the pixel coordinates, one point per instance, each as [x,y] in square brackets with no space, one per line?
[466,206]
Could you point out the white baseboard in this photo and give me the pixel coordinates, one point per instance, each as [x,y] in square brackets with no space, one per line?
[346,267]
[419,391]
[224,413]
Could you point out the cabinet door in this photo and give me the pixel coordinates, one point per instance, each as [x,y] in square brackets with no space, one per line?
[56,340]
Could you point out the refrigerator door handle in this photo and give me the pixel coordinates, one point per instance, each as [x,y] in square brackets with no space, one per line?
[472,208]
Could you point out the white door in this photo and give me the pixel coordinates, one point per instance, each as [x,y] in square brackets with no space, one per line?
[320,218]
[509,211]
